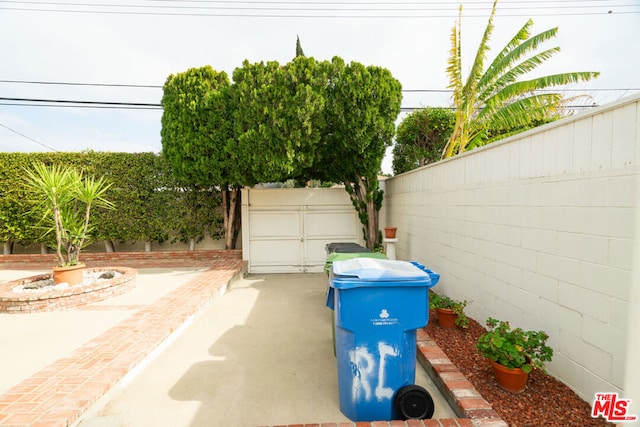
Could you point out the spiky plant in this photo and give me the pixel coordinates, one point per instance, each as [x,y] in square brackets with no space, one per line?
[64,198]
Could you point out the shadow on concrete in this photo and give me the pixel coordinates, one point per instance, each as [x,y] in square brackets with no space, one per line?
[275,367]
[260,355]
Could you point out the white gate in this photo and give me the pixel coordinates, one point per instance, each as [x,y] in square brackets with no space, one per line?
[285,230]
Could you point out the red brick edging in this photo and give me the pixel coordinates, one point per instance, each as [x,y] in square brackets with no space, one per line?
[469,405]
[71,297]
[133,259]
[459,392]
[61,393]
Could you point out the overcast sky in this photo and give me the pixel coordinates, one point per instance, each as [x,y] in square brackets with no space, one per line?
[142,42]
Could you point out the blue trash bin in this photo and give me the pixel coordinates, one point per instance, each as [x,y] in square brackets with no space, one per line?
[378,305]
[435,277]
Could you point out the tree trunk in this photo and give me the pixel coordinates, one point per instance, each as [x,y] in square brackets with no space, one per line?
[450,146]
[43,249]
[230,203]
[108,246]
[147,246]
[372,213]
[362,194]
[192,244]
[238,221]
[8,247]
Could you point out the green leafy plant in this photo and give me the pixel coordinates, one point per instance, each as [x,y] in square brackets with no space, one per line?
[437,301]
[421,137]
[514,348]
[497,96]
[64,199]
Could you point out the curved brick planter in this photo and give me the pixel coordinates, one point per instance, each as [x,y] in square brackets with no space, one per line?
[75,296]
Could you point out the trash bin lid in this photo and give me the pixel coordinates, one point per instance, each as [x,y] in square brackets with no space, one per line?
[345,247]
[377,270]
[337,256]
[435,277]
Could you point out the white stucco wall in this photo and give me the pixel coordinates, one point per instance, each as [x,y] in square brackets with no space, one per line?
[541,230]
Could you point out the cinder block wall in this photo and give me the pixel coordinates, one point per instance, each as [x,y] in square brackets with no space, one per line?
[539,229]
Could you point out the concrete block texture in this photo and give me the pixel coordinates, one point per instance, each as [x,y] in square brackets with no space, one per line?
[539,229]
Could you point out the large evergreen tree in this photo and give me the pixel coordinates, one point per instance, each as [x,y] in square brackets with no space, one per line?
[277,118]
[299,51]
[363,104]
[197,138]
[302,120]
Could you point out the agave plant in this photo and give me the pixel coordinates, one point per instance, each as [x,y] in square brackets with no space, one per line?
[65,198]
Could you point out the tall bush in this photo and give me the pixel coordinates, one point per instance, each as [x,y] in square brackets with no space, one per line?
[151,205]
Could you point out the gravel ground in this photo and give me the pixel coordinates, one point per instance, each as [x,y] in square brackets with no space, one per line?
[545,402]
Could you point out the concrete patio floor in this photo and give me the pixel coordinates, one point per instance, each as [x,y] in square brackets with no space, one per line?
[183,349]
[262,354]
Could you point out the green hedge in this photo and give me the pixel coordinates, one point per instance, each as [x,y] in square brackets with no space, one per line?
[150,204]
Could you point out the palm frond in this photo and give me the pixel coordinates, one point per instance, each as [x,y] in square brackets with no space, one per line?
[530,45]
[454,71]
[521,69]
[521,88]
[565,78]
[493,102]
[454,67]
[522,111]
[496,67]
[477,68]
[505,71]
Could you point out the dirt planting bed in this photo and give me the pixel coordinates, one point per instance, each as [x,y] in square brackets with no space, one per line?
[545,402]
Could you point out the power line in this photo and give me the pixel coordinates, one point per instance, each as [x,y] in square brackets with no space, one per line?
[86,103]
[298,16]
[275,12]
[28,137]
[80,84]
[448,2]
[565,107]
[34,102]
[26,102]
[327,6]
[539,90]
[98,107]
[149,86]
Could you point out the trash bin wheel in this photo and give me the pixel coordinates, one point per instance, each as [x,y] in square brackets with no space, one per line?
[413,402]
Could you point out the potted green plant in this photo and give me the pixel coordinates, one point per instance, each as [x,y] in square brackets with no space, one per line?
[513,353]
[64,198]
[450,311]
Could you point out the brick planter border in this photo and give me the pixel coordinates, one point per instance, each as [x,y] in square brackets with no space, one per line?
[71,297]
[45,410]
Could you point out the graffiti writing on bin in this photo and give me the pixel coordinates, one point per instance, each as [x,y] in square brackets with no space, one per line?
[368,379]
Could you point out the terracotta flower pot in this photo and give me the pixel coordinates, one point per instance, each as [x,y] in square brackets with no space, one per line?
[446,318]
[71,275]
[513,380]
[390,232]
